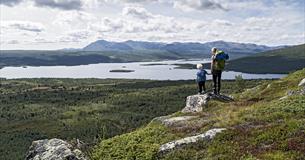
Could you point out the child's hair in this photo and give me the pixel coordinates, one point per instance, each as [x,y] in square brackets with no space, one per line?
[199,66]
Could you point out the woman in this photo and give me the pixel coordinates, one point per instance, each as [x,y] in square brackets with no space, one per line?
[217,66]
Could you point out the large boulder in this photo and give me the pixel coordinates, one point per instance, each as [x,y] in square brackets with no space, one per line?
[53,149]
[195,103]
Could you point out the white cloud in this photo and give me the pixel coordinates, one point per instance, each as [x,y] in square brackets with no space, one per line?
[201,5]
[74,19]
[13,42]
[10,3]
[22,25]
[60,4]
[138,20]
[54,4]
[136,12]
[75,36]
[264,22]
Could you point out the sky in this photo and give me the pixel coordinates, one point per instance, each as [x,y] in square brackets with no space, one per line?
[57,24]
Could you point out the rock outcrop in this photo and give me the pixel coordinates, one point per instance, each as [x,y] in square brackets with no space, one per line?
[53,149]
[210,134]
[169,121]
[195,103]
[299,91]
[302,82]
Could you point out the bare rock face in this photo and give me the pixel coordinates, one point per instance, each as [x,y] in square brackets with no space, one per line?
[302,83]
[210,134]
[175,120]
[299,91]
[53,149]
[195,103]
[169,121]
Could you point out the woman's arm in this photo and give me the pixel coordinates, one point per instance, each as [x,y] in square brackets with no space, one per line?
[212,64]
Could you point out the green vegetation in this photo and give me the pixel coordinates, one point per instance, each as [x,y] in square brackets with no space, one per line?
[284,60]
[259,126]
[142,144]
[240,82]
[87,109]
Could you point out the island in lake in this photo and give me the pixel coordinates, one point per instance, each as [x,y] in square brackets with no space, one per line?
[121,70]
[154,64]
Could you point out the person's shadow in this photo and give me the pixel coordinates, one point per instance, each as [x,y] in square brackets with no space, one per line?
[220,97]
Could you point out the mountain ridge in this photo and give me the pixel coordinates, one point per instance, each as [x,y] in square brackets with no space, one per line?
[282,60]
[187,48]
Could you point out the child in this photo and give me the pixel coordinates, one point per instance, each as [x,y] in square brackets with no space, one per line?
[201,78]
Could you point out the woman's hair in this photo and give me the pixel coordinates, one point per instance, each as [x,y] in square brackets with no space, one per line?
[199,66]
[214,49]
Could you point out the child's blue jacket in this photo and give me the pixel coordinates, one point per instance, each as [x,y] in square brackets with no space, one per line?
[201,75]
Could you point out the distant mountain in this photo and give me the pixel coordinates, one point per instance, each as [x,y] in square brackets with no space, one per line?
[282,60]
[141,45]
[71,49]
[102,45]
[188,49]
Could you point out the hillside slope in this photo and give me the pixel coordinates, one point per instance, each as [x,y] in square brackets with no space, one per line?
[259,126]
[86,109]
[276,61]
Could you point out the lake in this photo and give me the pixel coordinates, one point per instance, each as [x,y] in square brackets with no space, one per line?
[140,70]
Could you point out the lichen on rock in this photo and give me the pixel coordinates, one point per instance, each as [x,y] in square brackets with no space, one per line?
[195,103]
[53,149]
[210,134]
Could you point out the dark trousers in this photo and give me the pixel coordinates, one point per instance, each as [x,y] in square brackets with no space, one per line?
[201,85]
[216,80]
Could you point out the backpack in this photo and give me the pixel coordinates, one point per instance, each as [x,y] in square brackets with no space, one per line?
[220,60]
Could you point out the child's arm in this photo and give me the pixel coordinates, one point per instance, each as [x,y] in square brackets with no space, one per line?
[208,73]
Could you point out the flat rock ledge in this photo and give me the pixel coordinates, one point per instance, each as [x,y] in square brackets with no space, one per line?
[53,149]
[210,134]
[195,103]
